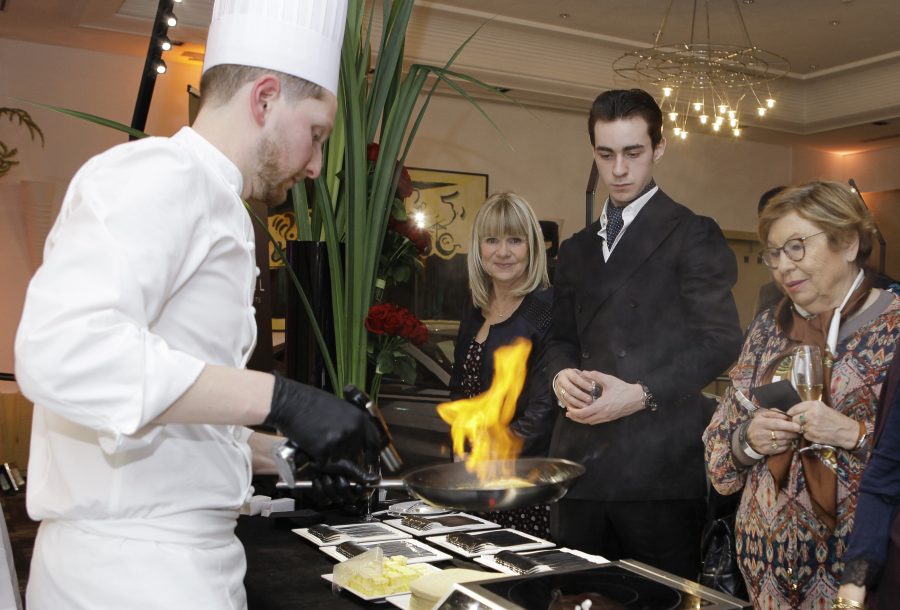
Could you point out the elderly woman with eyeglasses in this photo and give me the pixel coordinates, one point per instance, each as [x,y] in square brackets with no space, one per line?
[799,468]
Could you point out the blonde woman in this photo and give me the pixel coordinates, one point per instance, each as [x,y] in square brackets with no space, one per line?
[510,298]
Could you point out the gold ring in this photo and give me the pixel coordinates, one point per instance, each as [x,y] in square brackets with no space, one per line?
[562,393]
[775,445]
[773,437]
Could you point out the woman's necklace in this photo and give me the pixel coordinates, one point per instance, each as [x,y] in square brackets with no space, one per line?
[510,307]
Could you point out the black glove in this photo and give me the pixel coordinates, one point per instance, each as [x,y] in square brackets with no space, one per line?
[331,431]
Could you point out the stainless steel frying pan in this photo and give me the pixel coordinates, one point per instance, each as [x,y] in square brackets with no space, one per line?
[452,486]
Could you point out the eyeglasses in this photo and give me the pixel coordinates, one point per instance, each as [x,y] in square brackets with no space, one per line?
[794,249]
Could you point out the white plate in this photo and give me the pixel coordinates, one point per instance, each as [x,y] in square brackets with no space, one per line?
[415,507]
[330,578]
[483,524]
[536,543]
[491,562]
[390,533]
[434,554]
[400,601]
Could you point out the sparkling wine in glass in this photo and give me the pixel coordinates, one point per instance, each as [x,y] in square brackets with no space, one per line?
[370,496]
[807,372]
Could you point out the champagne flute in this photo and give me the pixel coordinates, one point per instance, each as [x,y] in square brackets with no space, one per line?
[806,373]
[370,496]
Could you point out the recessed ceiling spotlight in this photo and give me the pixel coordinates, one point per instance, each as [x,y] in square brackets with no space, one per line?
[813,67]
[564,15]
[748,2]
[834,22]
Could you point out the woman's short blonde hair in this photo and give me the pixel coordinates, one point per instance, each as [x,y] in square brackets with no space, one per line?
[506,214]
[832,206]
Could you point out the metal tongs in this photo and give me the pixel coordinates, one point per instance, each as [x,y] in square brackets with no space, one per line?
[284,453]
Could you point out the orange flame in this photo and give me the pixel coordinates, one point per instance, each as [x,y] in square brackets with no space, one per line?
[481,423]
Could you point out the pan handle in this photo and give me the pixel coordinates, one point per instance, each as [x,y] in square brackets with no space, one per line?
[381,484]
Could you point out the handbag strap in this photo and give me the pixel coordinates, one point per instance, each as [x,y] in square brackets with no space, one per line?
[888,391]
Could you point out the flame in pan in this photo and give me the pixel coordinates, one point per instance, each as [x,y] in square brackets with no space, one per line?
[479,426]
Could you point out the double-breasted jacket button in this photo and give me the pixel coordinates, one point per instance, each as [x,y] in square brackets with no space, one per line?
[621,353]
[585,355]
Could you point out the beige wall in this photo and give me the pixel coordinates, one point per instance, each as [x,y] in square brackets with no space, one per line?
[550,160]
[98,83]
[543,154]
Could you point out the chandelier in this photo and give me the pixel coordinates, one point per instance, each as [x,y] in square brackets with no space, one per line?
[706,83]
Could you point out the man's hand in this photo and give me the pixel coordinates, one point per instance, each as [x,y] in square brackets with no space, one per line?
[332,432]
[617,399]
[572,389]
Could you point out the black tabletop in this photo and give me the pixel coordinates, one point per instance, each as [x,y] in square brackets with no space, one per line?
[284,571]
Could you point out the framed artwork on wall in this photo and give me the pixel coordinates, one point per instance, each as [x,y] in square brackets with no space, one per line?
[445,204]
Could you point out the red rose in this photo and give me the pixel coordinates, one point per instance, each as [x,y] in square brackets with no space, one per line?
[393,325]
[420,238]
[377,318]
[391,319]
[421,335]
[404,185]
[372,152]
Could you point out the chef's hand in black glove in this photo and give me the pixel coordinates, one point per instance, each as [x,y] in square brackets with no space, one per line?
[332,432]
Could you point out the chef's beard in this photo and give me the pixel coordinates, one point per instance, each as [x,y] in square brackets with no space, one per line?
[271,182]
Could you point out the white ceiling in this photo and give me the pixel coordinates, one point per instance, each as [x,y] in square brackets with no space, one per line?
[844,54]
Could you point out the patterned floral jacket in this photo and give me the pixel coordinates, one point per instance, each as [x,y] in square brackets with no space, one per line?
[788,557]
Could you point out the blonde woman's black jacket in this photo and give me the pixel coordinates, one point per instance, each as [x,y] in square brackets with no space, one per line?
[536,408]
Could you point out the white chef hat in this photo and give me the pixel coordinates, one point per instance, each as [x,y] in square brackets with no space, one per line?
[298,37]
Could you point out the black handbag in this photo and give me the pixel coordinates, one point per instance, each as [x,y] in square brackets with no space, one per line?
[719,569]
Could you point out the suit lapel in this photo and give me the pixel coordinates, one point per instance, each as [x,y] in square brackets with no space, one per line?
[642,238]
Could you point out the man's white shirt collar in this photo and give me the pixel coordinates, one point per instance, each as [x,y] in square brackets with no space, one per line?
[629,213]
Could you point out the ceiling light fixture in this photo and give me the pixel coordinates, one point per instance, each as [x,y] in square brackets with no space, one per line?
[715,76]
[153,63]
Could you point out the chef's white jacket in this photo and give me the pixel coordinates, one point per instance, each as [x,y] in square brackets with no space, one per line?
[148,274]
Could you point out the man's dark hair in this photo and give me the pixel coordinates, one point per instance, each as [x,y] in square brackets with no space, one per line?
[766,197]
[623,104]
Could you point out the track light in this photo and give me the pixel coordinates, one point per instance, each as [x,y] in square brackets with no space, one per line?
[170,20]
[165,44]
[160,67]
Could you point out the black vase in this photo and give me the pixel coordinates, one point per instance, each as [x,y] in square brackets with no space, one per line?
[303,359]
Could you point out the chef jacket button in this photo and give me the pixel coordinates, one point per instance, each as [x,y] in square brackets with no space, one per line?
[257,272]
[585,355]
[621,353]
[253,310]
[251,246]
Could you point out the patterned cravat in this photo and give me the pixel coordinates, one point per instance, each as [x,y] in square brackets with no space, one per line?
[614,223]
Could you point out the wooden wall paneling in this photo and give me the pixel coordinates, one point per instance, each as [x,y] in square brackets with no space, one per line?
[15,429]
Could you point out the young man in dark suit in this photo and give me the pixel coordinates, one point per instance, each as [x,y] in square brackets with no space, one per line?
[643,316]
